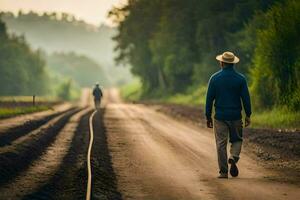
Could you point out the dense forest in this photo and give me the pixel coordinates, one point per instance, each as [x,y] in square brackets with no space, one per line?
[62,32]
[171,44]
[22,70]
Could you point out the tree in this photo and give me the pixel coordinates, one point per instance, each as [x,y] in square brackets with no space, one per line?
[277,58]
[171,44]
[22,70]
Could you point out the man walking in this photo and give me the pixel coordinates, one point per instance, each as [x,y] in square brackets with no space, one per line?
[228,88]
[97,93]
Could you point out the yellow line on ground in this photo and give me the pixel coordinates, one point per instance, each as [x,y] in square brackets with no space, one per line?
[89,182]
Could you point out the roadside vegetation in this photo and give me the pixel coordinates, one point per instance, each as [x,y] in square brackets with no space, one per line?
[11,106]
[175,58]
[276,117]
[11,112]
[132,91]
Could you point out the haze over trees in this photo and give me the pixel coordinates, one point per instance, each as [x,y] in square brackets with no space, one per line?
[24,71]
[61,32]
[83,70]
[171,44]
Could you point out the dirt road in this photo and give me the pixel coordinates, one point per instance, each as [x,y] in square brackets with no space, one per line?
[156,157]
[138,153]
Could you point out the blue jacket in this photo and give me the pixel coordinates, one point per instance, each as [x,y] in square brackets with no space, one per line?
[97,93]
[227,88]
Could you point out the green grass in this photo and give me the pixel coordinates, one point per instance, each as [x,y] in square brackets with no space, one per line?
[21,99]
[279,118]
[276,118]
[193,97]
[10,112]
[132,91]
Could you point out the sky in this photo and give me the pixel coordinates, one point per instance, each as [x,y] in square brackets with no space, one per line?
[91,11]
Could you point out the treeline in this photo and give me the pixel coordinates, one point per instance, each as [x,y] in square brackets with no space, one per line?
[62,32]
[22,70]
[171,44]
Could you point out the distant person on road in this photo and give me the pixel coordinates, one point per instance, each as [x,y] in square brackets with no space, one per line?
[97,93]
[228,90]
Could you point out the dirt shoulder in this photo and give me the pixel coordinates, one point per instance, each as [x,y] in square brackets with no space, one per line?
[273,149]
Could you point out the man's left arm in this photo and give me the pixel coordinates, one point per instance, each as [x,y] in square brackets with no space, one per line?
[246,102]
[101,93]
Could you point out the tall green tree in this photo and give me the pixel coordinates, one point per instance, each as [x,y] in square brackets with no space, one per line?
[277,58]
[137,23]
[172,45]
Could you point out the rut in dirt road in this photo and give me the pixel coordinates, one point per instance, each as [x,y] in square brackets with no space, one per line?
[156,157]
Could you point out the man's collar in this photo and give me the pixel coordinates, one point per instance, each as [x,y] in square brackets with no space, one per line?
[228,68]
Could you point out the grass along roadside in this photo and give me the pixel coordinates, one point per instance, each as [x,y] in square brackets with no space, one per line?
[132,91]
[277,118]
[21,99]
[11,112]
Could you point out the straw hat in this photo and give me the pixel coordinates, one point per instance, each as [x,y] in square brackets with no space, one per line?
[228,57]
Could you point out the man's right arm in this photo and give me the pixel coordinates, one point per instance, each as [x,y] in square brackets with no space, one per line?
[210,97]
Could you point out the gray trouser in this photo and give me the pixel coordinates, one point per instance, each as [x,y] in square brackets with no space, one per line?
[224,131]
[97,103]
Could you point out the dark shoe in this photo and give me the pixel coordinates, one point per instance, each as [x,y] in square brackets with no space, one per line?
[223,175]
[234,171]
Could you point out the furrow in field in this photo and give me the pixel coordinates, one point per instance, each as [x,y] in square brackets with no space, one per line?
[19,155]
[42,169]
